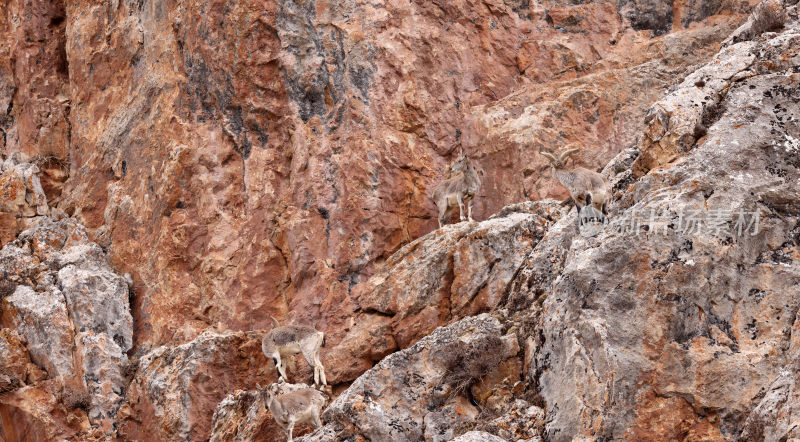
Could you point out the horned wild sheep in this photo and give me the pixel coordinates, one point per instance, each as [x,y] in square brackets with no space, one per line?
[458,190]
[584,186]
[288,340]
[298,407]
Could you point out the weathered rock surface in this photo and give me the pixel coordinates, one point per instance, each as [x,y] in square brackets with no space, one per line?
[460,250]
[454,272]
[43,320]
[175,390]
[680,319]
[39,412]
[34,79]
[477,436]
[388,402]
[69,313]
[97,298]
[776,416]
[679,330]
[22,194]
[246,158]
[465,267]
[241,416]
[16,368]
[241,159]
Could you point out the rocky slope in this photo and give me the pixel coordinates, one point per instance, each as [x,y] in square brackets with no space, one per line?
[250,158]
[174,172]
[680,319]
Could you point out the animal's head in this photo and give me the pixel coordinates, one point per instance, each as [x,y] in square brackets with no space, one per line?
[462,164]
[268,393]
[559,160]
[597,202]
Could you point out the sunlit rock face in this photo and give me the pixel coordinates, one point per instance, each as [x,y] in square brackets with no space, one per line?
[241,159]
[680,318]
[173,173]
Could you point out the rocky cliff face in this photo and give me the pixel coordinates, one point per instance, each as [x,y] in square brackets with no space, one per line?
[240,159]
[66,329]
[679,320]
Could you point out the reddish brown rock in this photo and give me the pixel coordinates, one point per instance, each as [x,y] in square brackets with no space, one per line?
[53,173]
[242,416]
[34,79]
[176,390]
[692,327]
[42,318]
[458,271]
[420,393]
[241,159]
[676,123]
[38,413]
[265,157]
[9,229]
[21,192]
[15,362]
[69,324]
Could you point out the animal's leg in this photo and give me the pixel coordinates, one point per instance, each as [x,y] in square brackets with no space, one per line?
[280,367]
[469,211]
[317,362]
[320,367]
[283,426]
[322,376]
[587,203]
[460,199]
[310,357]
[578,208]
[291,428]
[317,421]
[442,211]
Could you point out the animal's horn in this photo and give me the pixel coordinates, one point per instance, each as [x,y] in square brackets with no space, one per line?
[566,153]
[548,156]
[274,321]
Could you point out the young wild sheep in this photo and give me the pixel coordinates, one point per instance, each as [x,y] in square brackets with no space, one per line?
[298,407]
[585,187]
[288,340]
[457,190]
